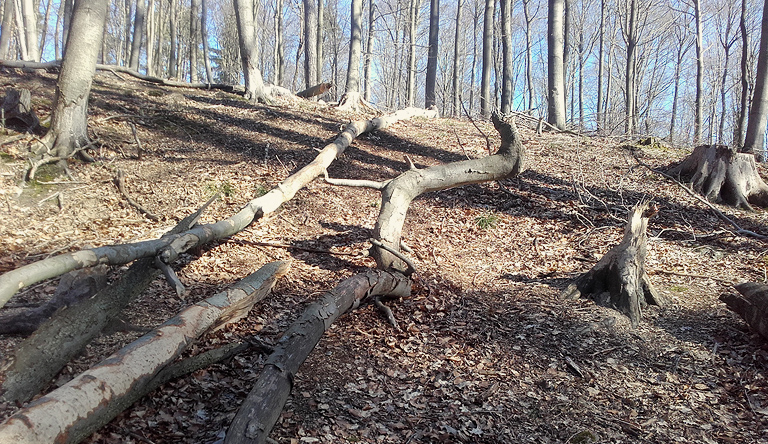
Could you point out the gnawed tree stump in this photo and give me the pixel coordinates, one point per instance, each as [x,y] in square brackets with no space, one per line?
[73,411]
[619,280]
[723,175]
[17,110]
[261,409]
[751,305]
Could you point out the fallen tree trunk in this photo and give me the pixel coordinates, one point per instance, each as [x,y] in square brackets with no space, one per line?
[316,90]
[261,409]
[723,175]
[398,193]
[41,356]
[73,411]
[168,248]
[619,280]
[751,305]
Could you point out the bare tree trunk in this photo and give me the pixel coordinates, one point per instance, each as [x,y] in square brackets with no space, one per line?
[44,30]
[754,141]
[472,88]
[675,94]
[455,109]
[254,84]
[566,50]
[319,52]
[279,65]
[69,121]
[741,119]
[172,56]
[485,80]
[149,37]
[430,99]
[699,104]
[69,6]
[21,36]
[29,13]
[204,34]
[555,74]
[369,53]
[7,29]
[351,99]
[310,43]
[413,14]
[506,47]
[528,52]
[630,86]
[138,32]
[599,117]
[194,38]
[726,42]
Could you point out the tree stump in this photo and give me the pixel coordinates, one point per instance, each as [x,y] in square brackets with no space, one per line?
[723,175]
[17,110]
[619,280]
[751,305]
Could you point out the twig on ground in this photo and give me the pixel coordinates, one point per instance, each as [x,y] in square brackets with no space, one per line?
[411,267]
[387,312]
[136,138]
[120,183]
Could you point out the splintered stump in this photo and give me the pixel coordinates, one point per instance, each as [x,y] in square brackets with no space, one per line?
[17,110]
[619,279]
[723,175]
[751,305]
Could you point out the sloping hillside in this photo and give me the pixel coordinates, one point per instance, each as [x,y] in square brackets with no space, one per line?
[487,353]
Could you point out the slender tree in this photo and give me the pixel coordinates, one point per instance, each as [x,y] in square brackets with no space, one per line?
[455,76]
[310,43]
[29,14]
[699,104]
[741,117]
[555,77]
[7,29]
[413,15]
[506,46]
[368,63]
[138,33]
[754,141]
[204,35]
[630,73]
[319,43]
[173,53]
[528,51]
[351,97]
[485,77]
[430,98]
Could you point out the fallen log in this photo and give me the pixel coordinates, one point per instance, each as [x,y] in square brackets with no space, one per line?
[168,248]
[723,175]
[41,356]
[316,90]
[73,411]
[751,305]
[619,280]
[398,193]
[261,409]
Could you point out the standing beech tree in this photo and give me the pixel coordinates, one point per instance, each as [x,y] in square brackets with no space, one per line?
[254,84]
[754,141]
[555,76]
[69,121]
[485,76]
[506,47]
[430,98]
[351,99]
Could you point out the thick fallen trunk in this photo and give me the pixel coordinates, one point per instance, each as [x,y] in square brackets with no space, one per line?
[751,305]
[168,248]
[41,356]
[262,407]
[619,280]
[73,411]
[723,175]
[316,90]
[397,194]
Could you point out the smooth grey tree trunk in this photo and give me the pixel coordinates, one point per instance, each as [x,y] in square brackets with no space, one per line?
[69,121]
[529,53]
[699,104]
[456,109]
[485,78]
[555,74]
[741,119]
[204,34]
[172,57]
[754,141]
[279,54]
[369,53]
[319,42]
[138,32]
[506,48]
[194,38]
[430,99]
[29,13]
[5,31]
[413,15]
[630,87]
[310,43]
[254,83]
[351,99]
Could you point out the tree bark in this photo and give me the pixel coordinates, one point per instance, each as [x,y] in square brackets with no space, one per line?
[69,121]
[29,13]
[279,54]
[619,280]
[485,77]
[751,305]
[138,33]
[310,43]
[6,29]
[261,409]
[555,74]
[75,410]
[413,15]
[173,54]
[194,38]
[351,99]
[741,119]
[630,87]
[699,103]
[319,43]
[369,53]
[723,176]
[254,83]
[430,98]
[204,35]
[455,76]
[754,141]
[506,47]
[600,124]
[40,357]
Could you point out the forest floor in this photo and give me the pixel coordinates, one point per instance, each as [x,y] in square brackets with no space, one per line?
[483,355]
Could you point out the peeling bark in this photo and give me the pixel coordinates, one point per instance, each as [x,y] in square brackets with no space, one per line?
[73,411]
[168,248]
[619,280]
[723,176]
[751,305]
[261,409]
